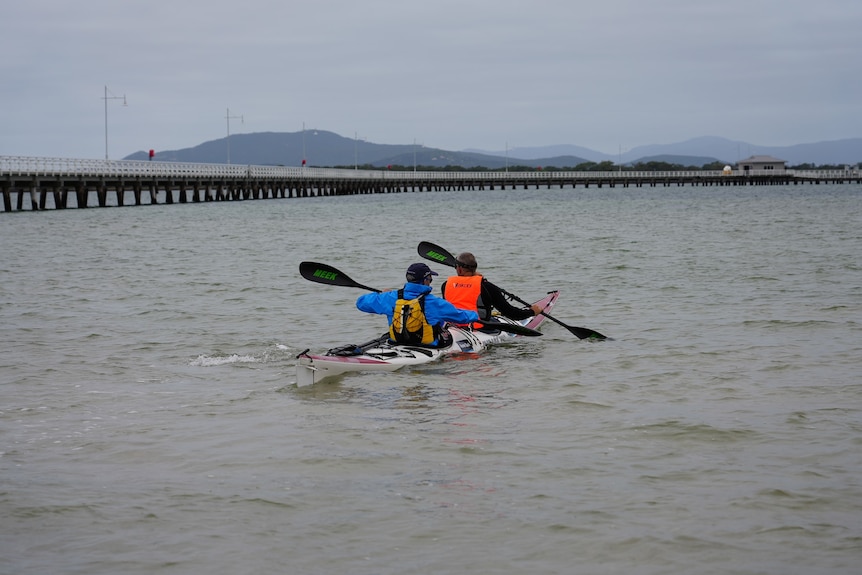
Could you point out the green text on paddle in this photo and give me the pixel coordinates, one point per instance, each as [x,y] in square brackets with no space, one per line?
[435,256]
[327,275]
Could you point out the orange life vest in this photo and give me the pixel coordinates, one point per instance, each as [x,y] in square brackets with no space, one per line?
[463,292]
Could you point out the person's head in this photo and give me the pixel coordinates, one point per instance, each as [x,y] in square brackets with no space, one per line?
[465,264]
[420,274]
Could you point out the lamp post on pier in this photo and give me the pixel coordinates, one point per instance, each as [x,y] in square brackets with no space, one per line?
[106,97]
[314,133]
[228,117]
[414,154]
[356,149]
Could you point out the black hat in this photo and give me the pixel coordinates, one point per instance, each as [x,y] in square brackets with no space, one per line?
[418,273]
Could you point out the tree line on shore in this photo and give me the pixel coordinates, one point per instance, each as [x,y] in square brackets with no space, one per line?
[606,166]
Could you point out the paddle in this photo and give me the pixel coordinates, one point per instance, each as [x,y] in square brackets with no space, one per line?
[326,274]
[437,254]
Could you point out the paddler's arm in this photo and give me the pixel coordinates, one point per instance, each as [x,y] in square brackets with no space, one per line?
[495,298]
[379,303]
[447,312]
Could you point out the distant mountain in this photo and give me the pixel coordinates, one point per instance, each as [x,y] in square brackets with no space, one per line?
[545,152]
[820,153]
[847,151]
[718,149]
[323,148]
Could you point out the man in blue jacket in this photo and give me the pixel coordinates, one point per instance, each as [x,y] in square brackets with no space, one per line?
[437,311]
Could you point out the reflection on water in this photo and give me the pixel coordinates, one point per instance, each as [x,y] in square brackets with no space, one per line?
[150,421]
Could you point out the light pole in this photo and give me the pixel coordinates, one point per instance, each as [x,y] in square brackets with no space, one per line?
[356,149]
[314,133]
[228,117]
[106,98]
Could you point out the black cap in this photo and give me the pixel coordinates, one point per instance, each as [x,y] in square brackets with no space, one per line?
[418,273]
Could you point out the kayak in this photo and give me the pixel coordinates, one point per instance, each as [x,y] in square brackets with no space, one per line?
[380,354]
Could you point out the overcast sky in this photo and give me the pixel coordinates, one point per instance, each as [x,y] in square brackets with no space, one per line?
[451,74]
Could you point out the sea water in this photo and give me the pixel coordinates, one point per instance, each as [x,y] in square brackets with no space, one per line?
[150,421]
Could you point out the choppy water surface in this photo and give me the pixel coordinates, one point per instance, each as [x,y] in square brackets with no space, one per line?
[149,421]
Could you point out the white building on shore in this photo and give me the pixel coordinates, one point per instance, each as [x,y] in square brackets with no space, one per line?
[761,164]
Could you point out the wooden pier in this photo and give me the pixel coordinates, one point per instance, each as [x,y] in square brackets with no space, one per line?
[33,184]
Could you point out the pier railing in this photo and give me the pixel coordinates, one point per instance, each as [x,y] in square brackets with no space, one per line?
[39,166]
[63,182]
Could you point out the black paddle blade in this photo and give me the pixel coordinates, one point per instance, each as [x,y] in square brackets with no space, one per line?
[437,254]
[326,274]
[517,329]
[584,333]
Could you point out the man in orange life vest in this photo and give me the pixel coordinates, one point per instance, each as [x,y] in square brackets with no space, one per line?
[469,290]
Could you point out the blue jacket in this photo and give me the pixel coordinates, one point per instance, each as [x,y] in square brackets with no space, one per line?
[437,310]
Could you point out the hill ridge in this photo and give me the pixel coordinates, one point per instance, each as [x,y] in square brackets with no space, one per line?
[325,148]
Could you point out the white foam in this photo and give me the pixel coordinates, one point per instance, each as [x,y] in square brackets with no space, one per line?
[208,361]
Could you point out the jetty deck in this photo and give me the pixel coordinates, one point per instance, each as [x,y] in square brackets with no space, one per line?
[34,184]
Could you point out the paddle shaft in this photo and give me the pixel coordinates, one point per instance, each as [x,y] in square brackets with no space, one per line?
[437,254]
[580,332]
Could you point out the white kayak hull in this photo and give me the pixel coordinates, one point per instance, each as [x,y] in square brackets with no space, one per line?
[383,356]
